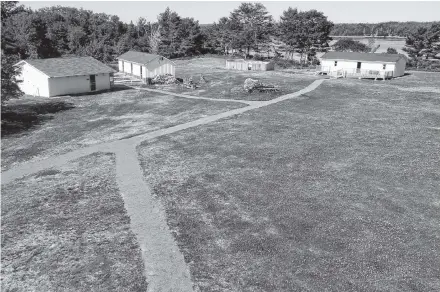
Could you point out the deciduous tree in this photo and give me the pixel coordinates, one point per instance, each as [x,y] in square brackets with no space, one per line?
[350,45]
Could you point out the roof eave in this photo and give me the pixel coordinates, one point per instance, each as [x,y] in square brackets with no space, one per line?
[24,61]
[336,59]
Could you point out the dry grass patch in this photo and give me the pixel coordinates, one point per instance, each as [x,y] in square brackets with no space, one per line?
[67,230]
[95,119]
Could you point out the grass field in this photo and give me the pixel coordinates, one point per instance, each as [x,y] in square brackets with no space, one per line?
[67,230]
[335,191]
[43,127]
[222,83]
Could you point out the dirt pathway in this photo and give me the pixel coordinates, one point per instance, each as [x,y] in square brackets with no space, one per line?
[165,268]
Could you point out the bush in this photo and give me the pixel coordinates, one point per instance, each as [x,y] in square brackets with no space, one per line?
[423,65]
[258,57]
[293,64]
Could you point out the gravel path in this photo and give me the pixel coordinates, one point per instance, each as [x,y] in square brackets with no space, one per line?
[165,268]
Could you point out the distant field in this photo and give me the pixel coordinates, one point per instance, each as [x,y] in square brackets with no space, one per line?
[223,83]
[66,229]
[49,126]
[337,190]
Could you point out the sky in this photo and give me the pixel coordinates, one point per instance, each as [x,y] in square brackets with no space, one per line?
[209,11]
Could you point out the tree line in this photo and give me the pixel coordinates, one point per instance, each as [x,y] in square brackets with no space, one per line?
[382,29]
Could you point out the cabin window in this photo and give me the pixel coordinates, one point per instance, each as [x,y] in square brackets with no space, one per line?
[384,66]
[336,63]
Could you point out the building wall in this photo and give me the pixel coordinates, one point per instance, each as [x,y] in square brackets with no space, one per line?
[77,84]
[399,69]
[166,68]
[244,66]
[127,67]
[352,65]
[136,70]
[34,81]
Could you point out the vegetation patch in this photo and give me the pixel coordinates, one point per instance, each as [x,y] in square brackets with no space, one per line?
[93,119]
[67,229]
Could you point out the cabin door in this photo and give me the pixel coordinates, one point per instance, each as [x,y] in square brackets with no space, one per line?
[92,83]
[358,68]
[249,66]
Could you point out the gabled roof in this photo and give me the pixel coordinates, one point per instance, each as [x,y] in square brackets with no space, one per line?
[366,57]
[138,57]
[151,61]
[63,67]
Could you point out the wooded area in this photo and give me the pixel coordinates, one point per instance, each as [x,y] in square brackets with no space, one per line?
[391,28]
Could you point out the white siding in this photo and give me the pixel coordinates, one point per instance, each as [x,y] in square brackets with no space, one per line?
[127,67]
[77,84]
[161,70]
[136,70]
[398,68]
[34,81]
[121,66]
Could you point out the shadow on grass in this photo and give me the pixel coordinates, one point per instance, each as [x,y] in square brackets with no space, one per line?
[115,88]
[21,117]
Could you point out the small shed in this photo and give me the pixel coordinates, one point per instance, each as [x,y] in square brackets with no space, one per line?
[363,65]
[61,76]
[144,65]
[245,65]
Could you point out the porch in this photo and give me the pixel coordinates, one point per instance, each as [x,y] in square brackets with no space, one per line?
[354,73]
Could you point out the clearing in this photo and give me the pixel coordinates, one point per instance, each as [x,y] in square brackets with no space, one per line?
[335,190]
[228,84]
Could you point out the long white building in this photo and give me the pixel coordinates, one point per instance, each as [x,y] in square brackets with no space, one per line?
[363,65]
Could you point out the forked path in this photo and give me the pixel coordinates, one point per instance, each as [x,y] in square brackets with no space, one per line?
[165,268]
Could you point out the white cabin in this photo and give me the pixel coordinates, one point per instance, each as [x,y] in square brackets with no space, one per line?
[363,65]
[144,65]
[61,76]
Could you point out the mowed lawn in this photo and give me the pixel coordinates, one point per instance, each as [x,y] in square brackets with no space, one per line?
[66,229]
[43,127]
[337,190]
[228,84]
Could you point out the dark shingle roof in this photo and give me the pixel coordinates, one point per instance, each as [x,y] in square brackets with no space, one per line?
[62,67]
[150,60]
[368,57]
